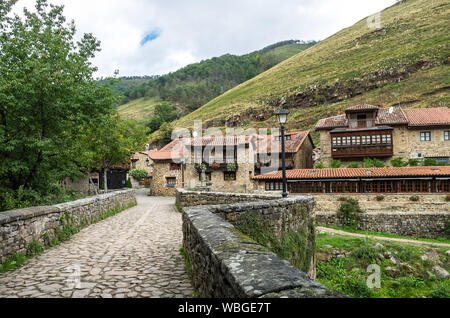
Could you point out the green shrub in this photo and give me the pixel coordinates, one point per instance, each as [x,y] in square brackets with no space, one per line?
[35,248]
[336,164]
[413,162]
[399,162]
[367,253]
[129,185]
[139,174]
[443,291]
[320,166]
[354,165]
[430,163]
[348,213]
[373,163]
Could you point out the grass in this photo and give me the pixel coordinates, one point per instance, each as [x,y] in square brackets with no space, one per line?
[346,229]
[416,31]
[62,234]
[138,109]
[408,277]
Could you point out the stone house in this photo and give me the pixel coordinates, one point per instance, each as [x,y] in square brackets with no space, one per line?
[367,131]
[141,161]
[229,163]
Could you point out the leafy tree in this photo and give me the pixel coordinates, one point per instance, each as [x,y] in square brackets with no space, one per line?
[47,96]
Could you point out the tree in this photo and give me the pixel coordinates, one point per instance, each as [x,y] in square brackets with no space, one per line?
[47,93]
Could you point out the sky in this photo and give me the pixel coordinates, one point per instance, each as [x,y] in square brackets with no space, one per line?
[155,37]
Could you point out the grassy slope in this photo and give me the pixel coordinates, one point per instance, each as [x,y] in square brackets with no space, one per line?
[416,31]
[138,109]
[142,108]
[409,276]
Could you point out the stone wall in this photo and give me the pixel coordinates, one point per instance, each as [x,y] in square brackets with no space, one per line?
[227,264]
[19,228]
[395,214]
[186,198]
[415,224]
[390,203]
[161,172]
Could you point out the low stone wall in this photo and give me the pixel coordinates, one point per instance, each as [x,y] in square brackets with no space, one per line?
[186,198]
[227,264]
[19,228]
[390,202]
[415,224]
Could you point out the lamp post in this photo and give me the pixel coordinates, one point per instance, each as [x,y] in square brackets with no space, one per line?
[183,163]
[282,119]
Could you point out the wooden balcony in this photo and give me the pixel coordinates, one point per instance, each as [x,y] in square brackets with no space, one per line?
[366,123]
[362,151]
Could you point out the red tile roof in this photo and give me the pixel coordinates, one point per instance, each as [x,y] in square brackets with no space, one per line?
[362,107]
[309,174]
[264,143]
[422,117]
[428,116]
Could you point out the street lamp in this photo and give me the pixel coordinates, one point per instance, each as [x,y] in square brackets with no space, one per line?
[183,163]
[282,119]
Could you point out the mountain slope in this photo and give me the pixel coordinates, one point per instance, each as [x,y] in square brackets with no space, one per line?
[196,84]
[405,61]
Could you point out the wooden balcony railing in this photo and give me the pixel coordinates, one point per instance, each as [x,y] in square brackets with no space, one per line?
[366,123]
[363,151]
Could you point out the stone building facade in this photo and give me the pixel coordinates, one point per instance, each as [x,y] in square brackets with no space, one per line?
[366,131]
[229,163]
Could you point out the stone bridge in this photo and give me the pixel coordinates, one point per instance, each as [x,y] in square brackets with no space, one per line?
[132,254]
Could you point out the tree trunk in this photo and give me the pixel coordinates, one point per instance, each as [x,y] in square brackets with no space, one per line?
[92,182]
[105,179]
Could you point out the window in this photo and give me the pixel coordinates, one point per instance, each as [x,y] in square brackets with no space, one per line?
[171,182]
[133,164]
[208,176]
[425,136]
[230,176]
[447,135]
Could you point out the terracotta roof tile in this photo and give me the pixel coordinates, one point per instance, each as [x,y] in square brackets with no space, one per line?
[396,116]
[362,107]
[309,174]
[428,116]
[264,143]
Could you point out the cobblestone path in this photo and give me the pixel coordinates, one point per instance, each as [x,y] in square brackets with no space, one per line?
[133,254]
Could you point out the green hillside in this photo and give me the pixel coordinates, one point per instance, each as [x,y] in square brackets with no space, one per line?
[193,86]
[405,61]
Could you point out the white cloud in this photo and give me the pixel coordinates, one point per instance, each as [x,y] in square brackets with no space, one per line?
[193,30]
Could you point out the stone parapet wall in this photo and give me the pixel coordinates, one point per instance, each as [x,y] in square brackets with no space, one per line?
[415,224]
[227,264]
[19,228]
[186,198]
[390,202]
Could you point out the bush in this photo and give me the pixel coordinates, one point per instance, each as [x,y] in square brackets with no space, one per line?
[139,174]
[336,164]
[399,162]
[348,213]
[414,198]
[320,166]
[373,163]
[430,163]
[413,162]
[381,197]
[129,185]
[354,165]
[443,291]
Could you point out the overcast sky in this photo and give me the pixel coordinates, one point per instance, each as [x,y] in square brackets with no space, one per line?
[154,37]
